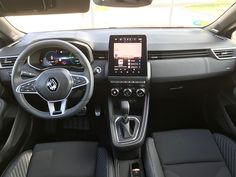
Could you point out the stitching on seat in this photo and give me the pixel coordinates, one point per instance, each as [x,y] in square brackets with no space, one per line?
[219,140]
[30,162]
[16,160]
[192,162]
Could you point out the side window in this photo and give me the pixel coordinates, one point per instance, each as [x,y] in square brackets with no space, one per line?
[233,37]
[4,40]
[2,43]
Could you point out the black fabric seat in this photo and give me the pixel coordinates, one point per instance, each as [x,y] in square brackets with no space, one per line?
[190,153]
[65,159]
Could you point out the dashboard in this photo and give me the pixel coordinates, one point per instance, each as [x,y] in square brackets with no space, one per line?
[176,54]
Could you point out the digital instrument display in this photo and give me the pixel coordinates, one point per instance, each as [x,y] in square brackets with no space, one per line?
[127,55]
[57,57]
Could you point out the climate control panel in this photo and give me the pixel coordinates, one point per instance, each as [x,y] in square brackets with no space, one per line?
[127,89]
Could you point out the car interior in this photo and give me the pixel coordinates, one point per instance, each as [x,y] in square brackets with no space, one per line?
[131,101]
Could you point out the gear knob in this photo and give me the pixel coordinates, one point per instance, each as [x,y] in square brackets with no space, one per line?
[125,109]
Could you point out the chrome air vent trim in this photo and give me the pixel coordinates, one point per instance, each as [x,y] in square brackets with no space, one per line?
[224,53]
[100,55]
[7,61]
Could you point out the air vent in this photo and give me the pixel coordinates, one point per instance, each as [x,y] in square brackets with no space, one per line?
[7,62]
[163,55]
[224,54]
[100,55]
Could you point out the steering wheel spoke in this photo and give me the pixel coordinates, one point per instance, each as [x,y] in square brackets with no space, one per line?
[79,80]
[27,87]
[57,108]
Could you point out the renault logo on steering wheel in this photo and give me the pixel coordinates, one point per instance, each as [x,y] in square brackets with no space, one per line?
[52,84]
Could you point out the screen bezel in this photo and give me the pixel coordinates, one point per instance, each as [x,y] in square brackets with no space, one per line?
[143,71]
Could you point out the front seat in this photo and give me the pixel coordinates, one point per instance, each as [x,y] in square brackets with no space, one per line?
[190,153]
[64,159]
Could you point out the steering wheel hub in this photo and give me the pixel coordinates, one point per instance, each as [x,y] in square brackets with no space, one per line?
[54,84]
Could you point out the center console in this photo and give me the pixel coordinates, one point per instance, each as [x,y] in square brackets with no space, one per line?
[128,102]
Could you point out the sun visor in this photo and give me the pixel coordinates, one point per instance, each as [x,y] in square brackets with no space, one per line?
[37,7]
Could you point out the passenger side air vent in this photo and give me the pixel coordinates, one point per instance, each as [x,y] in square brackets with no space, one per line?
[164,55]
[7,62]
[100,55]
[224,54]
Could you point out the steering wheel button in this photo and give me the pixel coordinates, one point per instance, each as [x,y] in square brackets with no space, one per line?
[28,87]
[83,81]
[79,81]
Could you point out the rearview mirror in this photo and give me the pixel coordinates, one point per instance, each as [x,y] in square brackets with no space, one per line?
[123,3]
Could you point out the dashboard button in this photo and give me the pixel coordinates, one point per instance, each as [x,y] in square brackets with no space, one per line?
[140,92]
[115,92]
[127,92]
[97,70]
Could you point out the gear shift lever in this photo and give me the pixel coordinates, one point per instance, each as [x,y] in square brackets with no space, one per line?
[126,126]
[125,110]
[125,122]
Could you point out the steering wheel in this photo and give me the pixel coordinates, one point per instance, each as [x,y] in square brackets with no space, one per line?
[54,85]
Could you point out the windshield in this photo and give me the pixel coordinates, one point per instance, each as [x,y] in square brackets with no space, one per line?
[161,13]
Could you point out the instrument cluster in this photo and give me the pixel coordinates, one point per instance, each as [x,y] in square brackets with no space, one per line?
[53,57]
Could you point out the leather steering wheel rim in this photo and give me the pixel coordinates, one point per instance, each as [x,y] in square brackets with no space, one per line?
[16,79]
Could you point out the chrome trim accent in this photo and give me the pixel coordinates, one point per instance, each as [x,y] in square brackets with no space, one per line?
[127,82]
[51,107]
[136,133]
[143,90]
[97,70]
[38,69]
[117,92]
[225,58]
[4,57]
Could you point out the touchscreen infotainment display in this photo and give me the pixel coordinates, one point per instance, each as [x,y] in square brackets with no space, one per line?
[127,55]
